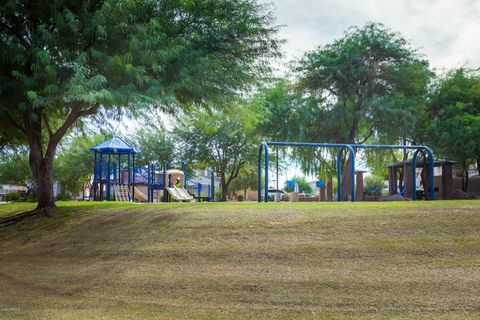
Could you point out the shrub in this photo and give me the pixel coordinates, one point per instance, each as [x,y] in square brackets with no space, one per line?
[218,194]
[12,196]
[373,185]
[29,197]
[240,197]
[63,197]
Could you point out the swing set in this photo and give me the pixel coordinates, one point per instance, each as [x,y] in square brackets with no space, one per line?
[263,153]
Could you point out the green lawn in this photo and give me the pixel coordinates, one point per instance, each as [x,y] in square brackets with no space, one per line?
[402,260]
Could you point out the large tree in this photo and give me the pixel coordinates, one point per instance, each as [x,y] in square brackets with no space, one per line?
[62,61]
[362,83]
[225,141]
[455,119]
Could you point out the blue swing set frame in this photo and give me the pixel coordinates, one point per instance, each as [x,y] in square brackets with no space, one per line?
[351,148]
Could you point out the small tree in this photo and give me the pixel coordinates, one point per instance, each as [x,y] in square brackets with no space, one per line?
[153,144]
[303,185]
[225,141]
[247,179]
[14,168]
[74,162]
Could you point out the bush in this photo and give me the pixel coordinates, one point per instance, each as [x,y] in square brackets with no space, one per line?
[12,196]
[63,197]
[240,197]
[286,197]
[29,197]
[218,194]
[373,185]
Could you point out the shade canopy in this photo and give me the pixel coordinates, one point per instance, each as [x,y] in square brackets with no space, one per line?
[115,145]
[420,163]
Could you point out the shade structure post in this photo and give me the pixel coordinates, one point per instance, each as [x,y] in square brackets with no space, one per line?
[212,188]
[263,146]
[165,194]
[133,177]
[95,175]
[108,175]
[339,175]
[276,169]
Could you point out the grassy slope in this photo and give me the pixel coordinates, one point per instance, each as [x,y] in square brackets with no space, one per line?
[206,261]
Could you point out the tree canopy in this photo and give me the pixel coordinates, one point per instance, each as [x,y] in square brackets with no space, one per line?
[223,140]
[455,118]
[62,61]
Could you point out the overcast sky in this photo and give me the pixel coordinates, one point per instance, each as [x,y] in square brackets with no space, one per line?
[447,32]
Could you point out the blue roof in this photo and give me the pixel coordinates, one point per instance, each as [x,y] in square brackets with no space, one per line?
[114,145]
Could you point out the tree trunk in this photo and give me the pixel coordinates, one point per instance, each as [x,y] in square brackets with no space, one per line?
[346,179]
[40,159]
[42,171]
[478,166]
[347,170]
[43,175]
[224,187]
[465,179]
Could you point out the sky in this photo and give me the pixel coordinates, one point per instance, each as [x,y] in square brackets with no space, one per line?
[446,32]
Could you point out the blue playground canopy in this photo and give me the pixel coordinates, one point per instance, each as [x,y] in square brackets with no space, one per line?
[114,145]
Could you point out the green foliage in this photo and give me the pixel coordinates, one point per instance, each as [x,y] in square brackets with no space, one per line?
[303,186]
[14,168]
[63,197]
[219,195]
[223,140]
[153,144]
[62,61]
[276,103]
[12,196]
[455,116]
[373,185]
[240,197]
[247,178]
[368,85]
[74,163]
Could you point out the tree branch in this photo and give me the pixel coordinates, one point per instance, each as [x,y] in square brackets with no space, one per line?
[57,136]
[368,136]
[47,124]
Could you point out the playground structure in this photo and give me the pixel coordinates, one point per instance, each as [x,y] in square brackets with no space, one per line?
[115,170]
[351,148]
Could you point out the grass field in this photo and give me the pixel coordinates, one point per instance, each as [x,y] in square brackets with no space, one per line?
[405,260]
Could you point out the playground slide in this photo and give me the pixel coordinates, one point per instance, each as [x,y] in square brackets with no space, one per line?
[140,196]
[178,195]
[184,193]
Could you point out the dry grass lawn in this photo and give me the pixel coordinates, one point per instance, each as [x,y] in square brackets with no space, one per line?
[409,260]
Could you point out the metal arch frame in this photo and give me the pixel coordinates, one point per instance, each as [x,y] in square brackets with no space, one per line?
[351,147]
[417,149]
[431,181]
[264,146]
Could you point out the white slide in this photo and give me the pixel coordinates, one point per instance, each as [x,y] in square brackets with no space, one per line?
[178,194]
[140,196]
[184,193]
